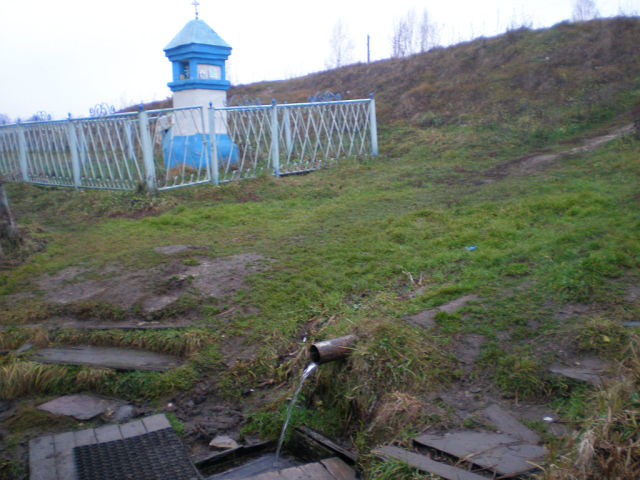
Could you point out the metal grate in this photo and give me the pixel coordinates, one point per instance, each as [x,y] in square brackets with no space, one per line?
[157,455]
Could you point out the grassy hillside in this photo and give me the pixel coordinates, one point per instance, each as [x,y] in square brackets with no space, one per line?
[528,86]
[363,247]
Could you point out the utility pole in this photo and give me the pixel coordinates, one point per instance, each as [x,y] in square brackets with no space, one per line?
[368,49]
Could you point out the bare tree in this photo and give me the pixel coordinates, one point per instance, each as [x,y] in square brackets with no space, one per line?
[402,42]
[411,36]
[427,32]
[340,46]
[584,10]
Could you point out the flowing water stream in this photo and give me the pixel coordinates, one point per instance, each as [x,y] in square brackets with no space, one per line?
[305,374]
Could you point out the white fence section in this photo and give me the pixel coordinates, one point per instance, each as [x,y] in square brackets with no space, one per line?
[164,149]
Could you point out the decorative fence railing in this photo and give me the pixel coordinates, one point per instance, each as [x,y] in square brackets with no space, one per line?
[164,149]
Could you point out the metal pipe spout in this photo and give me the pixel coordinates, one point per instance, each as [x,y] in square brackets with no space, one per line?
[334,349]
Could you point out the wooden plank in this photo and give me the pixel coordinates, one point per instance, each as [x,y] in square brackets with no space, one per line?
[42,461]
[118,358]
[504,454]
[343,453]
[509,425]
[425,464]
[339,469]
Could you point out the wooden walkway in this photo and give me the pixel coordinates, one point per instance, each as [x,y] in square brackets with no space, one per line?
[51,456]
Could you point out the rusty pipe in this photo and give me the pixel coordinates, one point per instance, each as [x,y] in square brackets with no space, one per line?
[329,350]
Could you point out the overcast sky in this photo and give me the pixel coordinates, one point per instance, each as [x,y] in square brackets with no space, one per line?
[63,56]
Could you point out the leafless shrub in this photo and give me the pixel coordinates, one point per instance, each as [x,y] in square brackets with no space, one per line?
[340,46]
[584,10]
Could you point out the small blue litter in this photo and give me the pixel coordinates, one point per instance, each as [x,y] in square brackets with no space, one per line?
[471,248]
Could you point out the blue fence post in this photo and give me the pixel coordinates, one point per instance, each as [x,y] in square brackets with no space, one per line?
[275,150]
[373,125]
[22,154]
[213,146]
[73,149]
[147,152]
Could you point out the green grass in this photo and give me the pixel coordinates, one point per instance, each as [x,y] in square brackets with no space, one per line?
[341,241]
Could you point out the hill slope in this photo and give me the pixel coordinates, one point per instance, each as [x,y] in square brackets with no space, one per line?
[547,83]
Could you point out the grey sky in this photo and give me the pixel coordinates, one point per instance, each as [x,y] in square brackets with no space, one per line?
[68,55]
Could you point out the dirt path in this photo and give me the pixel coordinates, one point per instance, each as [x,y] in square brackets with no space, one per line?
[534,163]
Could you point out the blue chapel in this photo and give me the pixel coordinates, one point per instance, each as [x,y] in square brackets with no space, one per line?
[198,56]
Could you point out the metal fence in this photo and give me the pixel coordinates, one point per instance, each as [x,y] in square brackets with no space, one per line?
[170,148]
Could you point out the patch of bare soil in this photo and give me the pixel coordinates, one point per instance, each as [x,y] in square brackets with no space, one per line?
[154,289]
[234,350]
[570,310]
[633,294]
[468,349]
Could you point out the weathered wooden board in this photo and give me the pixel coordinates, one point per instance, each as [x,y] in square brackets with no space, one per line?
[118,358]
[310,435]
[504,454]
[425,464]
[506,423]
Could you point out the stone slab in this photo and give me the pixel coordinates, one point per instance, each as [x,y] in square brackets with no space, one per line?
[42,458]
[425,464]
[85,437]
[63,445]
[505,422]
[156,422]
[133,429]
[79,406]
[504,454]
[108,433]
[109,357]
[224,442]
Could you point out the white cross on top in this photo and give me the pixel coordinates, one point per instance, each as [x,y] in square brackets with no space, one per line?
[195,3]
